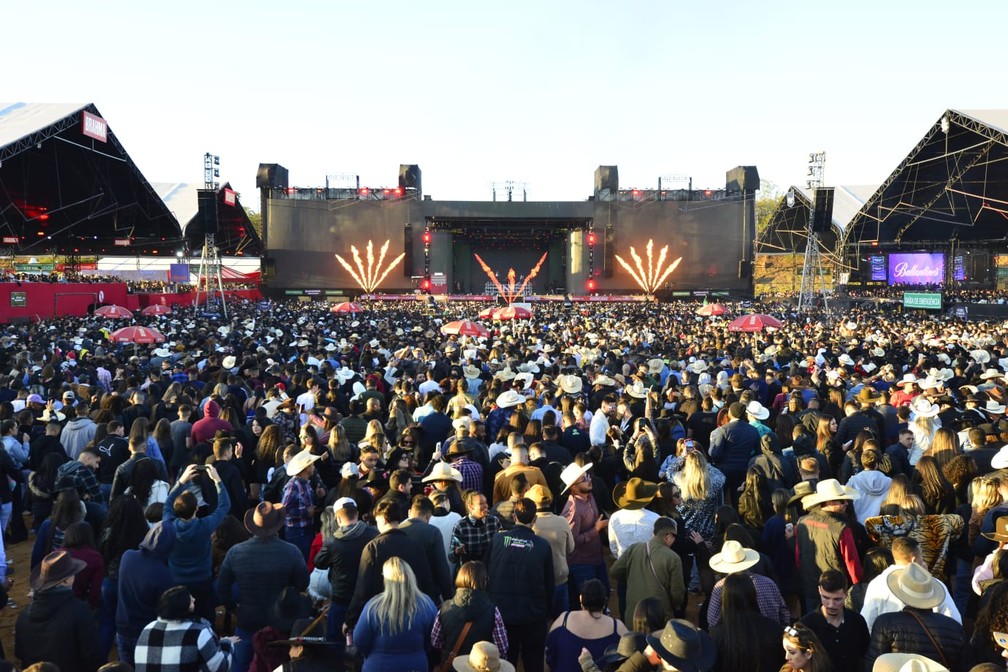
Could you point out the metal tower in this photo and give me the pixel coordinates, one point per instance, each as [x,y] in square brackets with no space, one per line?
[210,279]
[813,265]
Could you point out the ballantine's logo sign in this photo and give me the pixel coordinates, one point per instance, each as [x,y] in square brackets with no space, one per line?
[94,127]
[915,272]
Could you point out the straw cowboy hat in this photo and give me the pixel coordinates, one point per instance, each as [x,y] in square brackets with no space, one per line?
[484,657]
[906,662]
[505,374]
[570,384]
[683,646]
[572,473]
[265,519]
[1000,533]
[470,372]
[301,461]
[443,471]
[604,380]
[55,567]
[699,366]
[634,494]
[868,395]
[915,587]
[758,410]
[655,366]
[638,390]
[830,490]
[509,399]
[734,557]
[802,489]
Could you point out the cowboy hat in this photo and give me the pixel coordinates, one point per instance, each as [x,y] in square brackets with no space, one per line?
[265,519]
[525,379]
[906,662]
[994,408]
[699,366]
[572,473]
[443,471]
[1000,533]
[1000,461]
[908,379]
[846,360]
[922,408]
[509,399]
[458,448]
[628,644]
[471,372]
[301,461]
[981,356]
[55,567]
[604,380]
[229,362]
[634,494]
[161,352]
[758,410]
[655,365]
[570,384]
[877,352]
[505,374]
[484,657]
[867,395]
[989,374]
[683,646]
[830,490]
[539,493]
[915,587]
[802,489]
[734,557]
[637,390]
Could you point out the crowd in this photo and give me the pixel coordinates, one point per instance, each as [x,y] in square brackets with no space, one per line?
[618,486]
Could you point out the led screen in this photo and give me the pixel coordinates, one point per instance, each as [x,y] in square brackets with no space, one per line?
[916,268]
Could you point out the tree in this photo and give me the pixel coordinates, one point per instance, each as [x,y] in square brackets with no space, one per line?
[255,219]
[767,201]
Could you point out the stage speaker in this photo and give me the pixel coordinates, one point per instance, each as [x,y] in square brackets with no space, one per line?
[268,268]
[607,179]
[822,212]
[744,269]
[207,215]
[407,242]
[609,252]
[742,178]
[271,176]
[409,177]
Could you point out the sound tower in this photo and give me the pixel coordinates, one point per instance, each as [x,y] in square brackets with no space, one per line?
[207,217]
[271,176]
[609,251]
[409,178]
[407,268]
[822,212]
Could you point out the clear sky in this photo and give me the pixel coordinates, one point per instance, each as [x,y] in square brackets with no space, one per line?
[536,92]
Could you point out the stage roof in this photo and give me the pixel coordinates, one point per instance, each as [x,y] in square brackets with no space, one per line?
[235,236]
[786,231]
[67,184]
[952,185]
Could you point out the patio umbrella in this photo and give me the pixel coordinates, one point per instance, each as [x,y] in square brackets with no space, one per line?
[754,322]
[486,313]
[513,313]
[142,335]
[156,309]
[347,307]
[113,311]
[711,309]
[465,328]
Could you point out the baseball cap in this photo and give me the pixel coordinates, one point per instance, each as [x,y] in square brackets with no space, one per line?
[69,395]
[35,399]
[343,503]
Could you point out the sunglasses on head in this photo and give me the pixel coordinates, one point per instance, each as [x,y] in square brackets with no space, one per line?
[791,632]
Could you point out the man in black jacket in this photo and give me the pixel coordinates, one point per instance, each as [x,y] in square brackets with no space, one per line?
[520,565]
[340,555]
[57,627]
[428,537]
[391,542]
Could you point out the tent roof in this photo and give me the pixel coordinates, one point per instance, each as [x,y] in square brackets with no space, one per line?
[952,185]
[63,190]
[786,231]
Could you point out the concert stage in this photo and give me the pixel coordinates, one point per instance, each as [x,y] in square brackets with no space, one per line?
[305,229]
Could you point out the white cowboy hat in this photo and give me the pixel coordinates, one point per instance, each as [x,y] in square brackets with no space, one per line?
[525,379]
[229,362]
[922,408]
[509,399]
[906,662]
[604,380]
[994,408]
[908,379]
[981,356]
[877,352]
[915,587]
[829,490]
[758,410]
[470,372]
[505,374]
[301,461]
[698,366]
[443,471]
[734,557]
[846,360]
[158,352]
[989,374]
[928,383]
[528,367]
[572,473]
[570,384]
[638,390]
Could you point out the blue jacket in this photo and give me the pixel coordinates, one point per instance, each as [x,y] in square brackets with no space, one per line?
[143,576]
[732,445]
[405,650]
[190,560]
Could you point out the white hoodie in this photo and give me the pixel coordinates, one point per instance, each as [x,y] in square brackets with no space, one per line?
[873,487]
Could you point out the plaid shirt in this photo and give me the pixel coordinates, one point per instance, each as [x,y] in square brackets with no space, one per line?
[499,634]
[181,646]
[768,597]
[79,477]
[471,537]
[472,473]
[297,498]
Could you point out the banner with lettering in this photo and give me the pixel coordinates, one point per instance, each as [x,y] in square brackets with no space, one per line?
[916,268]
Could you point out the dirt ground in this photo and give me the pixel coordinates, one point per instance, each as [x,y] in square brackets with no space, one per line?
[21,555]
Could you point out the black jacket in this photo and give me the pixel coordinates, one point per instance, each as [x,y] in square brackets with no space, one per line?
[59,628]
[520,565]
[899,632]
[429,538]
[466,605]
[341,555]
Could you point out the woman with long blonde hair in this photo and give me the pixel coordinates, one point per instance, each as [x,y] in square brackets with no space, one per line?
[701,485]
[394,629]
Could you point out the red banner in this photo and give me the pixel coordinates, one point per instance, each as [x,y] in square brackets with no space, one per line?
[229,197]
[94,126]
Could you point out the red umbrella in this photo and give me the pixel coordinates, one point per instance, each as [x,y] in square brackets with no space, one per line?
[513,313]
[754,322]
[113,311]
[710,309]
[465,328]
[486,313]
[347,307]
[142,335]
[156,309]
